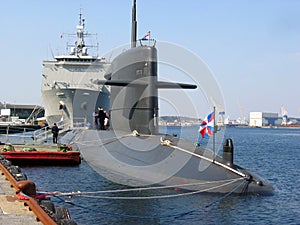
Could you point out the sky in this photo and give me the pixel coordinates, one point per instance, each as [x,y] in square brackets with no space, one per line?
[252,47]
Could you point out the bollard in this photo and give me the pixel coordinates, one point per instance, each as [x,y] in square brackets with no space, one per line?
[228,152]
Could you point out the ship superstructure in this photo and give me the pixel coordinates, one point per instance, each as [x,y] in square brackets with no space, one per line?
[68,93]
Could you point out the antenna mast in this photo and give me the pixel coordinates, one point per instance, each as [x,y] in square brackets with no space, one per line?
[133,25]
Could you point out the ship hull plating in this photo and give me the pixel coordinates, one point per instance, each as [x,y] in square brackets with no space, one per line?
[71,106]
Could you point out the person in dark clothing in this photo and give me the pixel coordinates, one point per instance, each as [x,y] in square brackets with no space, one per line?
[106,120]
[95,116]
[55,131]
[101,116]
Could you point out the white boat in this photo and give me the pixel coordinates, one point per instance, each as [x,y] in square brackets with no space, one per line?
[68,93]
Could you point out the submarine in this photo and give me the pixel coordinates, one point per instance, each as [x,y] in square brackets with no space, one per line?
[134,153]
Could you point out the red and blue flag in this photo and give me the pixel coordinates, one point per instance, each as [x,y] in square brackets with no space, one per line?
[146,37]
[207,126]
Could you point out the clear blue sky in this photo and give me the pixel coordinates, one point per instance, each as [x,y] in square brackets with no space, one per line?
[252,46]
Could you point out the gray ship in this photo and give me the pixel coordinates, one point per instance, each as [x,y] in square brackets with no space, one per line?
[68,93]
[133,152]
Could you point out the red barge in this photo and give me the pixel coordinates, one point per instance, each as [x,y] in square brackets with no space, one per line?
[42,155]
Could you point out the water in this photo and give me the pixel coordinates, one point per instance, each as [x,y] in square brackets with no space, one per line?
[272,153]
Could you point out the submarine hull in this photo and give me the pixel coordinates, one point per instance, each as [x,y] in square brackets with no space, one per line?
[132,152]
[144,160]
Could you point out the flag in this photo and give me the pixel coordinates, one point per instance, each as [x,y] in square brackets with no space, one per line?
[146,37]
[207,126]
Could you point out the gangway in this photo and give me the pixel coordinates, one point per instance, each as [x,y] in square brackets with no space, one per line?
[44,134]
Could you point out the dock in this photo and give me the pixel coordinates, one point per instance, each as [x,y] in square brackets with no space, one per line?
[12,211]
[19,203]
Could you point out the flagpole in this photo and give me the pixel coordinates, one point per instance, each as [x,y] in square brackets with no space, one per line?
[214,134]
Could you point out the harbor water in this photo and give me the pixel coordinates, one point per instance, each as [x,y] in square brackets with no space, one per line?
[274,154]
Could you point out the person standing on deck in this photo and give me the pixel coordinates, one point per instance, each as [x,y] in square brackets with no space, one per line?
[55,131]
[106,119]
[101,116]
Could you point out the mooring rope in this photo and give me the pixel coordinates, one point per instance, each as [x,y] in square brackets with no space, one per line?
[146,188]
[175,215]
[227,194]
[104,141]
[169,144]
[246,186]
[86,194]
[157,196]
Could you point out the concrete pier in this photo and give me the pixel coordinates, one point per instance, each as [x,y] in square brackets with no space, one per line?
[12,210]
[21,204]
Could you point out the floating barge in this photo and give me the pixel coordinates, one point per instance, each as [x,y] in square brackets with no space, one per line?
[42,155]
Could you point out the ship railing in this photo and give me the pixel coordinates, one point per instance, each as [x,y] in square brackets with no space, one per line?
[79,86]
[44,134]
[76,123]
[148,42]
[25,137]
[80,123]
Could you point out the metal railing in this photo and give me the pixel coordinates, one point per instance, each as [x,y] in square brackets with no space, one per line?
[44,134]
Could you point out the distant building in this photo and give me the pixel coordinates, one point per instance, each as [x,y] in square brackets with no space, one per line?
[13,112]
[260,119]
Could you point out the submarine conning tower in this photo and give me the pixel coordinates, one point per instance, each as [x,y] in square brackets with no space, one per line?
[134,87]
[134,107]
